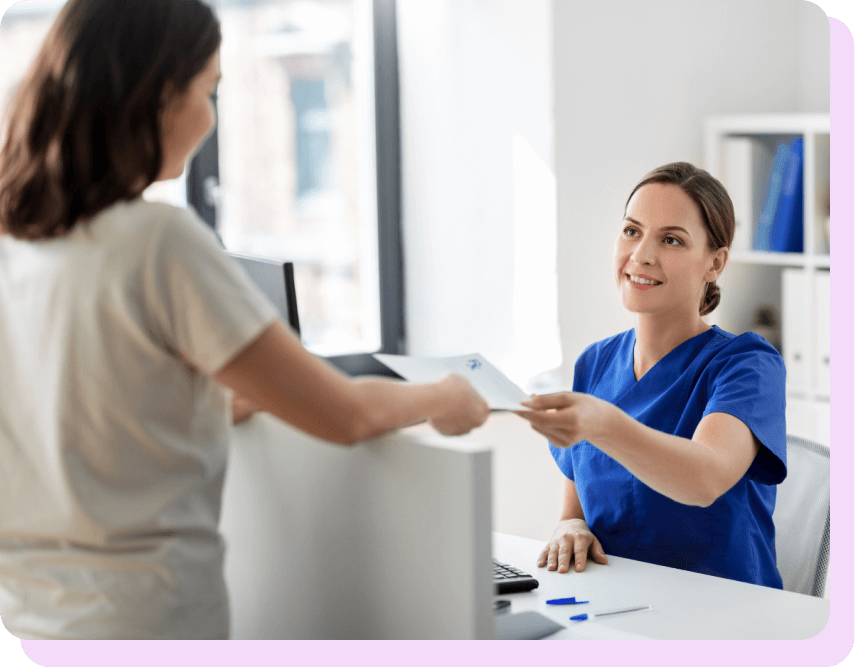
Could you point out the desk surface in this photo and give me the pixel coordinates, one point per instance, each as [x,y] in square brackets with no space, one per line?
[685,605]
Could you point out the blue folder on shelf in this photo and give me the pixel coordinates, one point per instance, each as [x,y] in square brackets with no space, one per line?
[788,225]
[763,237]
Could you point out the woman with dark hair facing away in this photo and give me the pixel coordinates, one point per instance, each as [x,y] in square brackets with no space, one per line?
[122,323]
[673,438]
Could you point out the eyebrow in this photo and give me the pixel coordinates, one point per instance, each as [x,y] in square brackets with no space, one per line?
[674,228]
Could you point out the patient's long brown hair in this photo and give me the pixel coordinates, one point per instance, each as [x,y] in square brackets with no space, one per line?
[83,127]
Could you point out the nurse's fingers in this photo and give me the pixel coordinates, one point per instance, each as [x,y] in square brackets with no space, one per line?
[552,559]
[565,418]
[564,552]
[557,436]
[598,553]
[550,401]
[541,560]
[581,553]
[549,434]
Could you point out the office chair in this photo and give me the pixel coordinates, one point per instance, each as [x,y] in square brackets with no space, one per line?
[802,517]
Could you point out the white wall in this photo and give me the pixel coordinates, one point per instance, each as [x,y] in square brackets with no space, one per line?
[814,74]
[633,83]
[477,171]
[605,91]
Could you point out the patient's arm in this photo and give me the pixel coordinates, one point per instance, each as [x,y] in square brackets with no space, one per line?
[276,373]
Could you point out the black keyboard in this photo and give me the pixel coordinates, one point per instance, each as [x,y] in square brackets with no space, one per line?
[508,579]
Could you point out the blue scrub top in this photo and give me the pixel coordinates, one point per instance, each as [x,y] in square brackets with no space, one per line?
[715,371]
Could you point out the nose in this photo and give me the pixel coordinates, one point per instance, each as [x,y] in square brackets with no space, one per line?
[645,252]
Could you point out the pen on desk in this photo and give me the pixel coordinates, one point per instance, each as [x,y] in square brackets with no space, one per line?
[611,612]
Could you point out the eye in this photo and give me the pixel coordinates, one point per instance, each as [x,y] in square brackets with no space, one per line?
[672,240]
[629,231]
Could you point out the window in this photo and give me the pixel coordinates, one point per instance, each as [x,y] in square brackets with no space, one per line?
[304,162]
[22,29]
[294,170]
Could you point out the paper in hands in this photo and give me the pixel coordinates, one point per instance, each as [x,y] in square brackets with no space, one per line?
[495,387]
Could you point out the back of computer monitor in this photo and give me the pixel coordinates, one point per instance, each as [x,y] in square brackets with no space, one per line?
[276,280]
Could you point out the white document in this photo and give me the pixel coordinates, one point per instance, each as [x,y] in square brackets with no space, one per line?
[493,385]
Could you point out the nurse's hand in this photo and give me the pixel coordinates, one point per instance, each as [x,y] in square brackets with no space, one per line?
[566,418]
[571,538]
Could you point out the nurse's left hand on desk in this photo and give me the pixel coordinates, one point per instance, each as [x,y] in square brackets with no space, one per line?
[566,418]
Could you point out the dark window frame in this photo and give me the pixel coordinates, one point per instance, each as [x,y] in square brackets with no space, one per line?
[203,182]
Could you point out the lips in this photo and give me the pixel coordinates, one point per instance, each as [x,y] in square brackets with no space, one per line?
[643,286]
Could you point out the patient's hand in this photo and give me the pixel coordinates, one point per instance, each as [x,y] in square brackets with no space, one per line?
[460,408]
[242,409]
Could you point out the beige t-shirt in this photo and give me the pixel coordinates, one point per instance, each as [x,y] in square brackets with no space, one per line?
[112,444]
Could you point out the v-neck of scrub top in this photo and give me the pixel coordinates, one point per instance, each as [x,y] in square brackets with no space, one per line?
[664,373]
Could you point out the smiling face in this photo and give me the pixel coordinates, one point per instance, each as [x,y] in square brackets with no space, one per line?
[662,257]
[187,120]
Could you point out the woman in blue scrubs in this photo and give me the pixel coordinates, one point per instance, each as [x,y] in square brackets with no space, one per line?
[673,438]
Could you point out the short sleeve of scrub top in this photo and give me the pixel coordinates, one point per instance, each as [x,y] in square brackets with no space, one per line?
[713,372]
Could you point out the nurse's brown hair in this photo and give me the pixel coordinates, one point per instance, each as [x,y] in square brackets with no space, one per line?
[82,130]
[712,201]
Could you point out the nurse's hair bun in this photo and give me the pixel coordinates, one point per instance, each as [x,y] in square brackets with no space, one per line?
[713,203]
[712,297]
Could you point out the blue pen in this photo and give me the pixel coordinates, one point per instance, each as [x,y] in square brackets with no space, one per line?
[613,612]
[567,601]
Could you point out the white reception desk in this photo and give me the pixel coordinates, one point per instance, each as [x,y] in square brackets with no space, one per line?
[393,539]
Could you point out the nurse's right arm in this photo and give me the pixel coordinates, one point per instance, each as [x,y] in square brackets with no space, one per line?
[571,537]
[279,375]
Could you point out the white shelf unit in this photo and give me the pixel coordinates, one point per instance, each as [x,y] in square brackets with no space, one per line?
[756,279]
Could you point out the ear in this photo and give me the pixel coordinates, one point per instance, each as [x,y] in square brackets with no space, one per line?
[719,261]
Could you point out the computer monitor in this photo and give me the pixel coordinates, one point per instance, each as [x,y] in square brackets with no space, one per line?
[276,279]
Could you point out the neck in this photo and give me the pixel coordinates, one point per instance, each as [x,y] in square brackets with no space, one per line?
[657,334]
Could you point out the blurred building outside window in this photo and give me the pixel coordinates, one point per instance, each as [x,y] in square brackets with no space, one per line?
[296,157]
[295,135]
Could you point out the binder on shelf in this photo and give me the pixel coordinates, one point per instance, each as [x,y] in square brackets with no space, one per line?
[795,335]
[763,236]
[788,223]
[745,165]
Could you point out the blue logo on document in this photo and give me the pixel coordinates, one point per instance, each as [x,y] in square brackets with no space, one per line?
[474,364]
